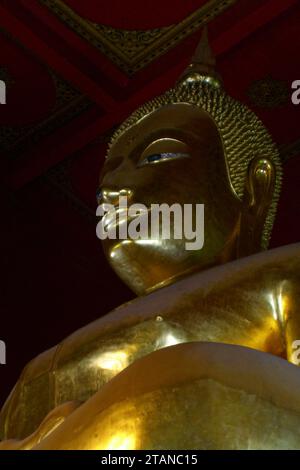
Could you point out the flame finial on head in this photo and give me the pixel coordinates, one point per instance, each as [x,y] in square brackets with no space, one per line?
[202,66]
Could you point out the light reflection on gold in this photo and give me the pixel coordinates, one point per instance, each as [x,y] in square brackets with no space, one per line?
[169,339]
[113,360]
[279,302]
[120,441]
[150,242]
[119,245]
[283,303]
[273,304]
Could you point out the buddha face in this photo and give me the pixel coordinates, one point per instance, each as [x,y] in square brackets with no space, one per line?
[172,155]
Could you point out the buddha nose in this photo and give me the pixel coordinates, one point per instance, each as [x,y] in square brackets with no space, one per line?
[112,195]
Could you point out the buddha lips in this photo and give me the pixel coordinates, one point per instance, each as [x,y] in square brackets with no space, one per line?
[157,222]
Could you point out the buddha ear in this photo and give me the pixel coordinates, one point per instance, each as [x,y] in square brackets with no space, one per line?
[258,193]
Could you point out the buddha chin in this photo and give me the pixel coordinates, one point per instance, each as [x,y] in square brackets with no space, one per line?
[167,259]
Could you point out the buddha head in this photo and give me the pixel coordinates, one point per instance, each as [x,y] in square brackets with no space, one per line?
[192,145]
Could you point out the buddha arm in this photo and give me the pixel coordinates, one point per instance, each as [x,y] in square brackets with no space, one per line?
[194,395]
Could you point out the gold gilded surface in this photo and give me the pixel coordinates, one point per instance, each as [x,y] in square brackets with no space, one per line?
[48,425]
[189,396]
[122,365]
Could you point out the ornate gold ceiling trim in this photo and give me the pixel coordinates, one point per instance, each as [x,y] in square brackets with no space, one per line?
[133,50]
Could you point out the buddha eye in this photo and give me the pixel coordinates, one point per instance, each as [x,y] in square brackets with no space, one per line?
[159,157]
[163,150]
[153,158]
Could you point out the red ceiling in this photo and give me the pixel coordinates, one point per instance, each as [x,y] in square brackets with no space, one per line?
[30,80]
[65,94]
[133,14]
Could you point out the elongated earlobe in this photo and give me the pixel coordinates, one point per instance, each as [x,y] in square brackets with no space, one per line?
[257,199]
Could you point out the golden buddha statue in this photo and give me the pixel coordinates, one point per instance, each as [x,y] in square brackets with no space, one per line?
[204,358]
